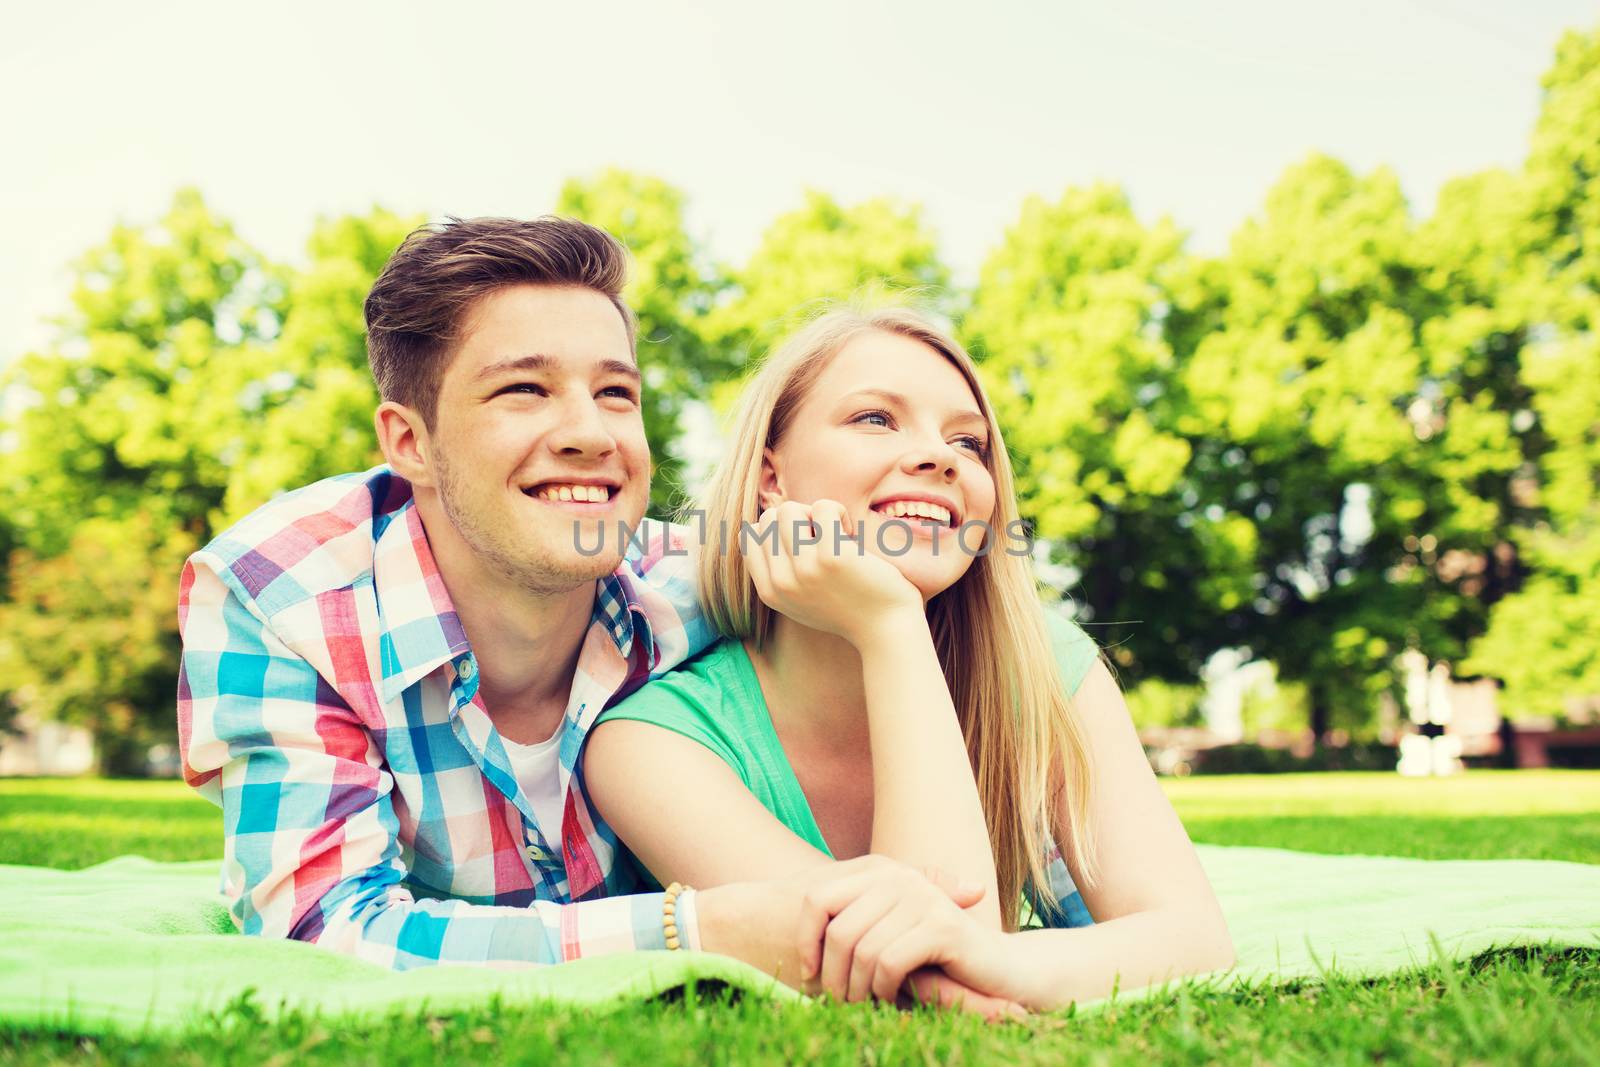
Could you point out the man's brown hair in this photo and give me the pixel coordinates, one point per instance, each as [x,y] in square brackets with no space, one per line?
[417,308]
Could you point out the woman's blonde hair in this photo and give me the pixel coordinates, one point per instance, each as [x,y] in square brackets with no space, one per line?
[1026,746]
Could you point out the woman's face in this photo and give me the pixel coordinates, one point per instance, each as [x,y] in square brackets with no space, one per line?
[892,431]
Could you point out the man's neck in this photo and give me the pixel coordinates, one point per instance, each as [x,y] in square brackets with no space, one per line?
[526,644]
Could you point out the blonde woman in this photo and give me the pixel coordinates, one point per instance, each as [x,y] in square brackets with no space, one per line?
[888,683]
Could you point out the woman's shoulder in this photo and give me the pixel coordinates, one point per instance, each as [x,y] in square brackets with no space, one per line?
[702,699]
[1075,651]
[703,686]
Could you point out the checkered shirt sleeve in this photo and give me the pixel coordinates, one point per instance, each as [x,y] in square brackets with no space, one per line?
[312,837]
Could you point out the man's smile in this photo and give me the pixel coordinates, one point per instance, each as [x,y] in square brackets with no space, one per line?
[581,495]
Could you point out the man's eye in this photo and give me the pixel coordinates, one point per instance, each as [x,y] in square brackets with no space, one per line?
[619,391]
[883,415]
[523,387]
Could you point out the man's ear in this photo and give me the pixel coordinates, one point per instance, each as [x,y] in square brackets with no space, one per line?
[403,437]
[771,492]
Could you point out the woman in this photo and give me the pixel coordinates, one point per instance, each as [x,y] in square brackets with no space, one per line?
[887,685]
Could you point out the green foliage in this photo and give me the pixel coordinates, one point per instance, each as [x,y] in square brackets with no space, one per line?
[1544,641]
[137,407]
[193,380]
[1156,703]
[307,410]
[1354,433]
[1069,321]
[1280,705]
[877,251]
[90,636]
[1343,416]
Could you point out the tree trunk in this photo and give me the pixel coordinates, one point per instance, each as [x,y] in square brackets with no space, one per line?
[119,756]
[1321,713]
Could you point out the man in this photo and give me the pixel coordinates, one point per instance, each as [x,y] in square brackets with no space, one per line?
[387,676]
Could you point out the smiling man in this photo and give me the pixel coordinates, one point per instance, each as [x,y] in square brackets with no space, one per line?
[387,677]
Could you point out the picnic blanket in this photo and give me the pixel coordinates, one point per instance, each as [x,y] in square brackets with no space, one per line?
[138,947]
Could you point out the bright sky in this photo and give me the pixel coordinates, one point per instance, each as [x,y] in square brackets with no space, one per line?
[285,111]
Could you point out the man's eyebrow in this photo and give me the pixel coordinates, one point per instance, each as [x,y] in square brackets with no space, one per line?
[541,362]
[894,399]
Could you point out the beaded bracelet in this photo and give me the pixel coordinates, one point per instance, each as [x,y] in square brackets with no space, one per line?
[669,914]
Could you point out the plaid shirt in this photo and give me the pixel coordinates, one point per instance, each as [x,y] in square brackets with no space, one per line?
[328,702]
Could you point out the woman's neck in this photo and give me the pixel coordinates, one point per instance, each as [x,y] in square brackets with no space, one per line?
[812,683]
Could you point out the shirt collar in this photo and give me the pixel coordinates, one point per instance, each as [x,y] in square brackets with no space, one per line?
[418,627]
[419,630]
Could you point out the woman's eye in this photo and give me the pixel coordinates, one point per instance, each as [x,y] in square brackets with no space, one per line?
[973,443]
[881,415]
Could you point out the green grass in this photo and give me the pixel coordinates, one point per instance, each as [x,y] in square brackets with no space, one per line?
[1506,1007]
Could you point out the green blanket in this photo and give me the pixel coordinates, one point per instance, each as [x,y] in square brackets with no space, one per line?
[136,947]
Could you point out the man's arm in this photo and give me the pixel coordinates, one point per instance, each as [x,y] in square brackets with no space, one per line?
[311,835]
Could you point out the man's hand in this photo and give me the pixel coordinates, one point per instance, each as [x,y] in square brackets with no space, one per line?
[873,934]
[780,926]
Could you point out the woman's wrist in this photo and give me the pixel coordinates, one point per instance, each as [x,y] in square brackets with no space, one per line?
[891,632]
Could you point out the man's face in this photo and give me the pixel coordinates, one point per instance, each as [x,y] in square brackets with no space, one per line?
[538,440]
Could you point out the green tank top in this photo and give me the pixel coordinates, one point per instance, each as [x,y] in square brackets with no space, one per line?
[715,699]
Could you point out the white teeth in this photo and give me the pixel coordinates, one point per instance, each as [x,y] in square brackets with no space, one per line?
[918,509]
[588,494]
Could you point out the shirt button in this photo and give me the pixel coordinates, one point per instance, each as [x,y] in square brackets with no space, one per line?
[466,670]
[534,852]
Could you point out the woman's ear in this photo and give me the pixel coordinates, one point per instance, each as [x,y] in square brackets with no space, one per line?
[771,493]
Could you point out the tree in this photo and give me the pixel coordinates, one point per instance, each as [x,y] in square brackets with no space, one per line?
[1543,641]
[1070,321]
[672,288]
[310,414]
[138,405]
[192,380]
[1369,452]
[90,636]
[874,251]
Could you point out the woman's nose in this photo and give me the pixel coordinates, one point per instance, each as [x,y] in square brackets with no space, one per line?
[937,457]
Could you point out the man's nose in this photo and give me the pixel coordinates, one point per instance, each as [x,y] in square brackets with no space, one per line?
[582,430]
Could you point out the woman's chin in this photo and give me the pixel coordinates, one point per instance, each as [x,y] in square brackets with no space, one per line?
[931,576]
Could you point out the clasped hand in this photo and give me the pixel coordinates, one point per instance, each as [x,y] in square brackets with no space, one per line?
[874,927]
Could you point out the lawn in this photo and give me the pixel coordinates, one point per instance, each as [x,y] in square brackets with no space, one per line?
[1511,1006]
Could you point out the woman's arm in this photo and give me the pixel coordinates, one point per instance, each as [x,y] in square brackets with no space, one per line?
[1157,916]
[688,817]
[926,809]
[925,805]
[683,812]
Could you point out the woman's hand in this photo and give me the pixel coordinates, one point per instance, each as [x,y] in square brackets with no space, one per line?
[820,574]
[864,937]
[775,925]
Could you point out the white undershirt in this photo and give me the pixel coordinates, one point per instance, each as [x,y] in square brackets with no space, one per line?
[538,771]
